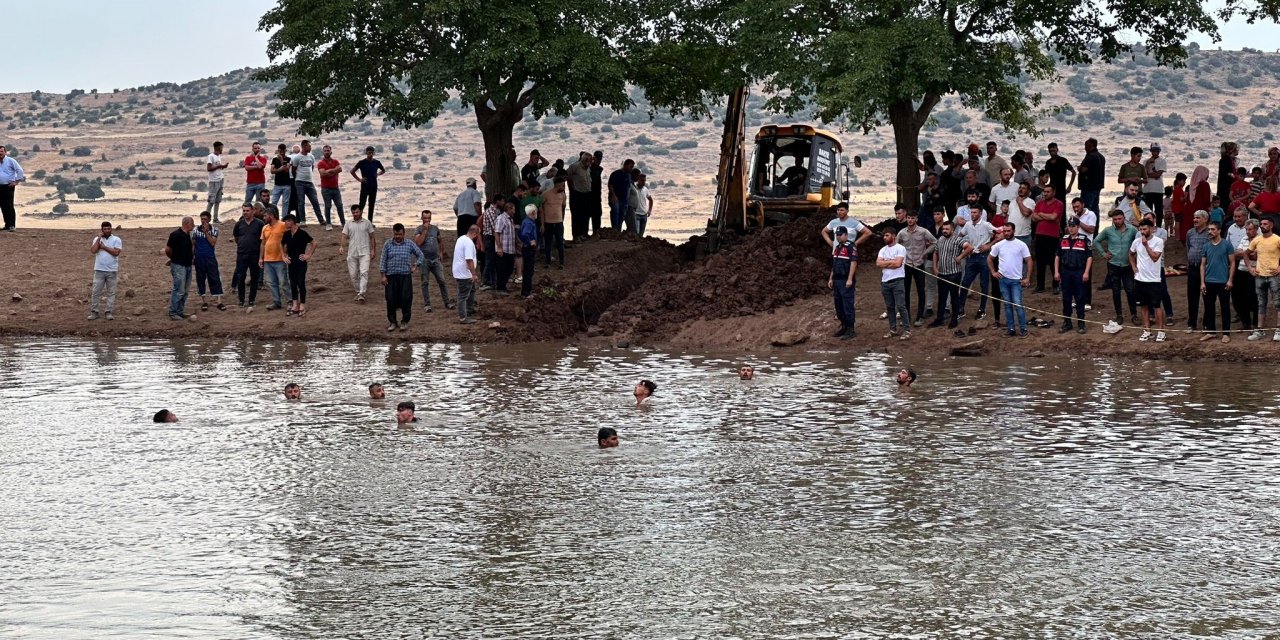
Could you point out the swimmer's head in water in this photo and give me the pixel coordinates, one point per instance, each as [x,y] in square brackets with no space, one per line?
[404,412]
[292,391]
[645,388]
[164,415]
[747,372]
[906,377]
[607,437]
[376,392]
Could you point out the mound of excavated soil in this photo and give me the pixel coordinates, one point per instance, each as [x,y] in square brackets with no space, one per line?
[761,272]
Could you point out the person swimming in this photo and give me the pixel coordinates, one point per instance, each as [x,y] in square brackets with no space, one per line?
[404,413]
[644,390]
[905,378]
[292,391]
[747,372]
[607,437]
[164,415]
[376,392]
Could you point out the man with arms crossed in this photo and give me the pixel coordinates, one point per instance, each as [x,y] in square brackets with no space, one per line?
[106,269]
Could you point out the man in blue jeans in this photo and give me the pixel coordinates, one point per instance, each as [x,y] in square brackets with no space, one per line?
[181,254]
[1010,264]
[304,187]
[978,238]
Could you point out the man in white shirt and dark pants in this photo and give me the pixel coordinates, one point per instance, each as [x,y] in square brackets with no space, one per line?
[1146,257]
[106,269]
[465,274]
[1153,188]
[892,261]
[216,167]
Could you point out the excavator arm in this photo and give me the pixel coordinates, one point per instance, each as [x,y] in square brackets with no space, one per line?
[731,185]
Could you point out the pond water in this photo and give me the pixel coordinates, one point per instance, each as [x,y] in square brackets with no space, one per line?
[999,499]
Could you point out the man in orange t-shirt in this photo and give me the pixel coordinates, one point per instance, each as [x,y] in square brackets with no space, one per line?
[271,259]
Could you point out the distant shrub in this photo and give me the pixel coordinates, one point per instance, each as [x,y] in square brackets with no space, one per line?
[187,144]
[642,140]
[82,152]
[61,207]
[197,152]
[1259,120]
[1238,81]
[180,186]
[89,192]
[684,144]
[419,177]
[440,153]
[400,147]
[397,163]
[1229,118]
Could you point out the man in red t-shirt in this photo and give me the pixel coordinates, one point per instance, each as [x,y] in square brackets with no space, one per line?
[1045,218]
[255,165]
[329,168]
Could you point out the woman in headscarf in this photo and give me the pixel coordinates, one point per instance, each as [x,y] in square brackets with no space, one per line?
[1226,170]
[1272,167]
[1198,197]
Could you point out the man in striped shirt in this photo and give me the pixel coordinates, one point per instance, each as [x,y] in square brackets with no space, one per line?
[947,266]
[504,242]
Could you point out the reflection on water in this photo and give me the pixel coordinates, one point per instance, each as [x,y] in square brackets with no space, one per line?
[998,500]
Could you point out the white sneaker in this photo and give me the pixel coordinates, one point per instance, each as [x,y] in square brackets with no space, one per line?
[1276,336]
[1255,336]
[1145,337]
[884,315]
[1160,337]
[1088,307]
[1112,327]
[328,227]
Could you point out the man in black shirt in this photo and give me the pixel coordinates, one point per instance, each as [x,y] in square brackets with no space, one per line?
[369,169]
[181,256]
[533,168]
[1058,168]
[1093,171]
[248,236]
[597,191]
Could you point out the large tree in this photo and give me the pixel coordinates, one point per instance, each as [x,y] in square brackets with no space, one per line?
[865,63]
[403,59]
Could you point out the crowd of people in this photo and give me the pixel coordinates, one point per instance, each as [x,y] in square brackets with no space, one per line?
[985,219]
[524,219]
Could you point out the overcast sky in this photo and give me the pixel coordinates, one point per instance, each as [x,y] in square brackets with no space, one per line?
[60,45]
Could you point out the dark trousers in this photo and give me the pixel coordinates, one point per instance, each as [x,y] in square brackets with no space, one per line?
[298,281]
[489,263]
[6,206]
[1073,286]
[207,274]
[1121,279]
[246,266]
[529,255]
[506,264]
[1193,296]
[843,297]
[975,266]
[369,194]
[1245,299]
[464,223]
[1156,202]
[1217,292]
[948,294]
[597,212]
[399,293]
[580,211]
[1165,300]
[553,237]
[915,278]
[1046,248]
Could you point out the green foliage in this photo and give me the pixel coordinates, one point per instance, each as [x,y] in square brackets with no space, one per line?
[419,177]
[89,192]
[180,186]
[61,208]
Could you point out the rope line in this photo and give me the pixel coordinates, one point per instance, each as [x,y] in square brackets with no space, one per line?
[1055,314]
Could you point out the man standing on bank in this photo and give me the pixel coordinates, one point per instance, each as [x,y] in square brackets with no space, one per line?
[248,236]
[427,237]
[399,262]
[216,168]
[106,269]
[255,172]
[844,264]
[357,244]
[367,171]
[181,255]
[1071,268]
[465,274]
[330,192]
[10,175]
[205,239]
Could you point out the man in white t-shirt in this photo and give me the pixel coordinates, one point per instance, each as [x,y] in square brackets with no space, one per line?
[465,274]
[106,269]
[1146,258]
[892,261]
[858,231]
[1153,189]
[1089,227]
[358,245]
[1010,263]
[1020,211]
[1006,189]
[216,167]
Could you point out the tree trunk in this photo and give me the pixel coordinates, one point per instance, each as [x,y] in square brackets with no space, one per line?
[906,139]
[496,127]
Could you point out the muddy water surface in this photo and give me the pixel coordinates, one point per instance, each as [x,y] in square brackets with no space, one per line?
[1032,498]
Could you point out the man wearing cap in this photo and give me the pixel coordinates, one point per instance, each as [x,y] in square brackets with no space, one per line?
[1071,268]
[1197,240]
[1153,188]
[467,207]
[844,264]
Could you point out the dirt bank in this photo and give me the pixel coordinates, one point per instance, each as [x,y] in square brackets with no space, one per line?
[51,270]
